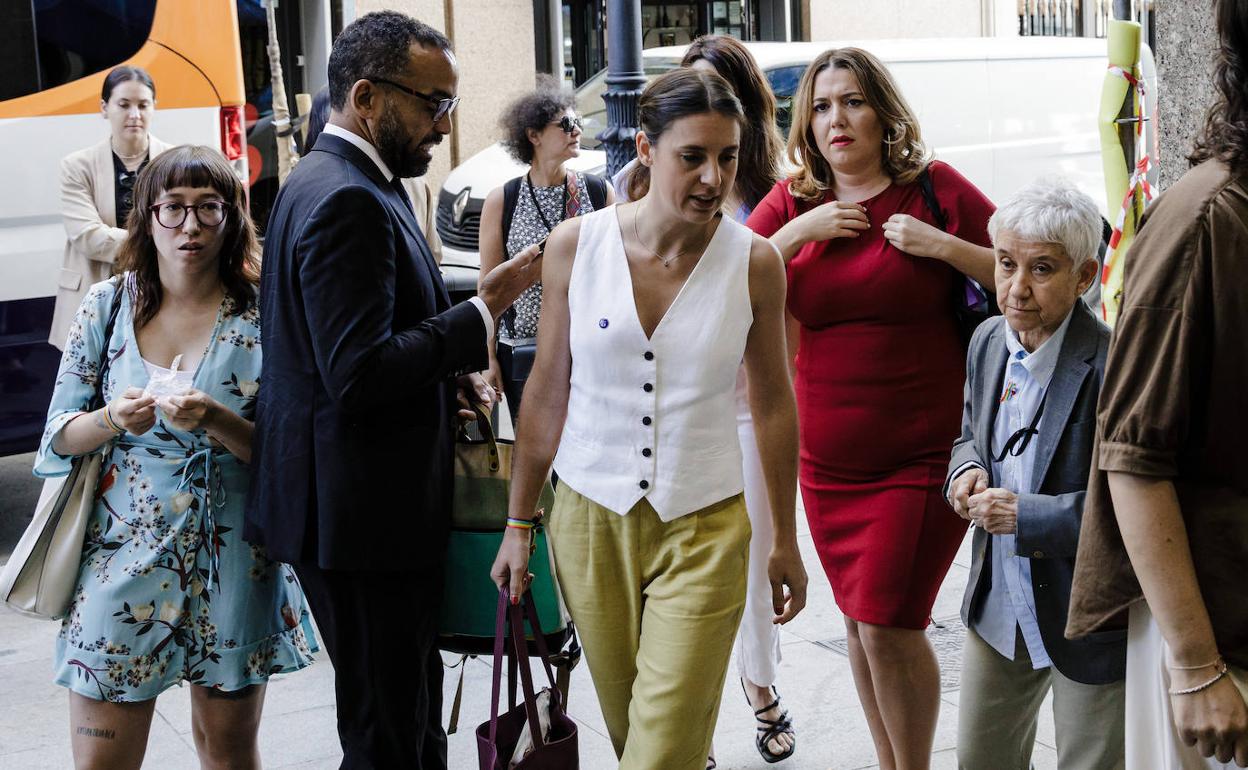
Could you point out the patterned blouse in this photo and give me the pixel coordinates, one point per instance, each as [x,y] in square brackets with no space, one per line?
[527,228]
[168,591]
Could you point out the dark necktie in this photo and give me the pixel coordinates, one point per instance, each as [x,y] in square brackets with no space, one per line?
[397,184]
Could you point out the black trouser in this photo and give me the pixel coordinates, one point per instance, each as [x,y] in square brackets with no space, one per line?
[380,630]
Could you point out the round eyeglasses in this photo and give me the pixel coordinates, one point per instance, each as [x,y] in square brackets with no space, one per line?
[173,215]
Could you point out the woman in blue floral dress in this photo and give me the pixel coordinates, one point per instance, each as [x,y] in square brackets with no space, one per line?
[167,590]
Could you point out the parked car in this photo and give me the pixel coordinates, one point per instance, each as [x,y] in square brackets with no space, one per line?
[1003,111]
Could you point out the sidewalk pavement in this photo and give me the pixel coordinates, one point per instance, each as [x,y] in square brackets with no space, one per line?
[298,729]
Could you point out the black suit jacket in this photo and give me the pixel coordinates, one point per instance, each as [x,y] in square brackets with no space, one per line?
[352,456]
[1049,515]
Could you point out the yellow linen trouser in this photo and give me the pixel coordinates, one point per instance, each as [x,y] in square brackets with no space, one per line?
[657,605]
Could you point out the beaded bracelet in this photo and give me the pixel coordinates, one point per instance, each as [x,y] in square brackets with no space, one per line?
[1221,666]
[519,523]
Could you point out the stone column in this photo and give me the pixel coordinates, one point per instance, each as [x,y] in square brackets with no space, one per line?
[1185,44]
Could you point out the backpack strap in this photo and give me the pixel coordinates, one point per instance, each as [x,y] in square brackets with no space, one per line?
[511,193]
[597,191]
[929,198]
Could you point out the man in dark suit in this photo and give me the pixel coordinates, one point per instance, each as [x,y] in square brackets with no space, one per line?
[352,466]
[1019,472]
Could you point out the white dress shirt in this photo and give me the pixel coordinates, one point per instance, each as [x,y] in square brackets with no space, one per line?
[368,149]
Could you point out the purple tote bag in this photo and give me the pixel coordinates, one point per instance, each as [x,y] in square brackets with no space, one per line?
[496,739]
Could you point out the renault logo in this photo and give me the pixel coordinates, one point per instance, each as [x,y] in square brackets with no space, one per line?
[460,206]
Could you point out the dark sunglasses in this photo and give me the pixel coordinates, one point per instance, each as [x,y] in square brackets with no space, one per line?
[568,124]
[441,107]
[126,180]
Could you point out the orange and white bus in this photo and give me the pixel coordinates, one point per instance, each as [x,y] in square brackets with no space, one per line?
[54,55]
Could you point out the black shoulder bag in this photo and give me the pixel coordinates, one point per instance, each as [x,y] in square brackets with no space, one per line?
[972,303]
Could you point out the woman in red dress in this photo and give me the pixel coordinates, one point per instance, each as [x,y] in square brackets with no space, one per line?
[880,367]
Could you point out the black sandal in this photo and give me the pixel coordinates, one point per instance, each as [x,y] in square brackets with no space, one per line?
[768,729]
[711,764]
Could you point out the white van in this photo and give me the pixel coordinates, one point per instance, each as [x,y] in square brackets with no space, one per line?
[1003,111]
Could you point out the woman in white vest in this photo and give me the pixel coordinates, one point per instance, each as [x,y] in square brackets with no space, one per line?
[648,310]
[758,170]
[97,189]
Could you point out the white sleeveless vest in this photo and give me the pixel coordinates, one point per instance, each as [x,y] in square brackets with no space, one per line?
[655,418]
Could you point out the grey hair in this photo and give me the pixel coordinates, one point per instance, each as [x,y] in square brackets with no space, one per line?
[1052,210]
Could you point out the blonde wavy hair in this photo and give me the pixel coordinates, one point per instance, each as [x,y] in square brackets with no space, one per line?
[903,154]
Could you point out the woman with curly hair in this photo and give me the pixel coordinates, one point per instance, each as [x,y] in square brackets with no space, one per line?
[872,283]
[542,130]
[168,592]
[1164,538]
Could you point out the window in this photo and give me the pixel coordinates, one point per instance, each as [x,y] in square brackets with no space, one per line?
[590,104]
[784,82]
[64,40]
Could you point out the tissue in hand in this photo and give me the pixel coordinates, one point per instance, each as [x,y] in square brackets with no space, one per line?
[169,382]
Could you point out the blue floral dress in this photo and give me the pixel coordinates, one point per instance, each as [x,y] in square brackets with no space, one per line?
[168,591]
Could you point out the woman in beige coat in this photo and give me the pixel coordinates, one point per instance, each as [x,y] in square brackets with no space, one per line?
[96,188]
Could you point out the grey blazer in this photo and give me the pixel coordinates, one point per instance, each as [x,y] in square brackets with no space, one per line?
[92,232]
[1049,515]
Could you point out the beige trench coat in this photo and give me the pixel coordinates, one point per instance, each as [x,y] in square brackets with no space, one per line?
[89,211]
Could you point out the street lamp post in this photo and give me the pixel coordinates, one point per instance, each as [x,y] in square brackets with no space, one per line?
[625,80]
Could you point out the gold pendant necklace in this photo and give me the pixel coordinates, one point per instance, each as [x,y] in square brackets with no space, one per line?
[666,262]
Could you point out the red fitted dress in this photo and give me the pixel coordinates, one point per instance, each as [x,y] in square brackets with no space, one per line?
[880,369]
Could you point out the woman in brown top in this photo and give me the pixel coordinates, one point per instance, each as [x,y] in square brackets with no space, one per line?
[1166,517]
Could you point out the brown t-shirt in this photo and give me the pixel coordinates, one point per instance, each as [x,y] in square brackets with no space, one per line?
[1174,404]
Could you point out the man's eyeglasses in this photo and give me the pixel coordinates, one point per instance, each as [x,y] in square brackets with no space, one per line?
[569,124]
[173,215]
[441,107]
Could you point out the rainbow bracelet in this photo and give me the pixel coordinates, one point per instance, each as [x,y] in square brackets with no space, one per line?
[520,523]
[110,422]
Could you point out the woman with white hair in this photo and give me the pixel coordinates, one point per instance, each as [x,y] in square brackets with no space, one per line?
[1018,473]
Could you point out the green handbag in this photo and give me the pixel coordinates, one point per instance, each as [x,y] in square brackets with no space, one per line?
[482,482]
[478,521]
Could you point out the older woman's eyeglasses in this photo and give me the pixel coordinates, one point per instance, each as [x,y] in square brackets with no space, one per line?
[568,124]
[441,107]
[173,215]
